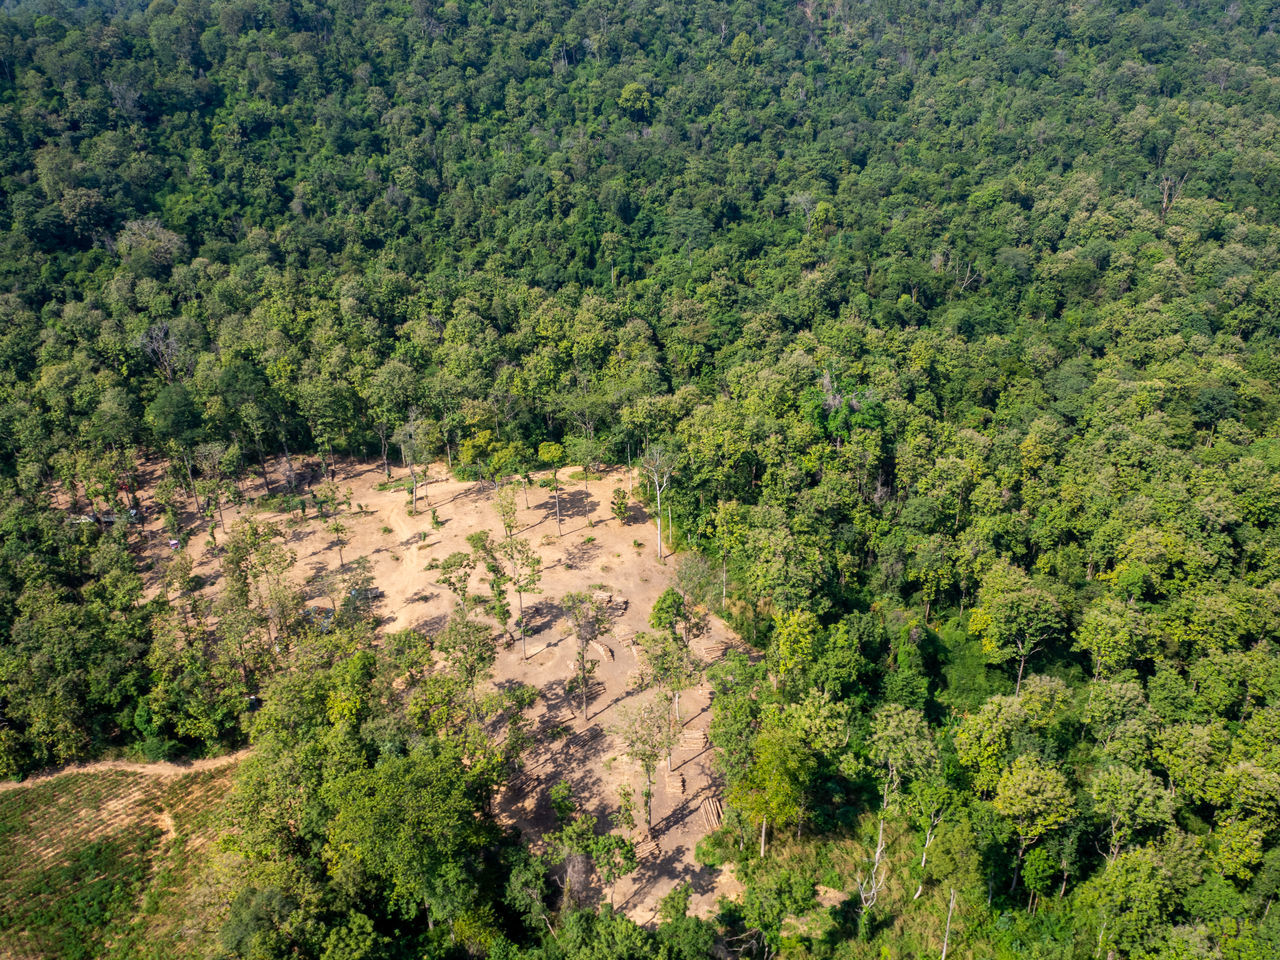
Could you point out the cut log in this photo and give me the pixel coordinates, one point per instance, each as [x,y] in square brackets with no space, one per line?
[712,814]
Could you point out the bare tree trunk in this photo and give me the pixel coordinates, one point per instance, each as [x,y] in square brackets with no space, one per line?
[946,938]
[191,481]
[555,488]
[764,823]
[660,558]
[524,650]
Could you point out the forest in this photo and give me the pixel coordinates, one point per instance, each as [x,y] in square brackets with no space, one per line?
[943,341]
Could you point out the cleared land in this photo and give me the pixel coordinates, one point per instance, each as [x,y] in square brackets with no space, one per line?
[595,552]
[113,860]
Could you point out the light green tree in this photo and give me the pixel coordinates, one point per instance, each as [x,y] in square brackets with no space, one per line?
[647,736]
[552,454]
[1128,801]
[775,788]
[590,619]
[1035,799]
[1015,618]
[795,638]
[524,567]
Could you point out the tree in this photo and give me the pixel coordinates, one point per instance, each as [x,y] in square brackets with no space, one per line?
[590,619]
[635,101]
[670,614]
[584,450]
[485,551]
[1035,799]
[611,855]
[552,454]
[455,573]
[669,664]
[795,639]
[505,502]
[1015,618]
[902,744]
[729,529]
[410,435]
[174,420]
[468,648]
[658,464]
[775,788]
[647,737]
[1128,801]
[619,505]
[414,823]
[338,530]
[524,567]
[388,395]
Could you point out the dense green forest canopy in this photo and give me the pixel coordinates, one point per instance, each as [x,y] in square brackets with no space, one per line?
[957,324]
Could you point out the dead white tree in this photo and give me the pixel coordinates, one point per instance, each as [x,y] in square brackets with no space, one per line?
[658,465]
[875,879]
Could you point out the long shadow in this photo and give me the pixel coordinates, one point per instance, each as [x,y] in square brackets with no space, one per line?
[536,523]
[431,625]
[580,555]
[622,697]
[636,516]
[541,616]
[672,863]
[686,760]
[574,505]
[473,492]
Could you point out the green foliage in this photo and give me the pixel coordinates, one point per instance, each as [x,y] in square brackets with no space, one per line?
[949,331]
[72,909]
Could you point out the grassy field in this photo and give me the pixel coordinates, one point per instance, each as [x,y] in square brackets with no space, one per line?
[112,864]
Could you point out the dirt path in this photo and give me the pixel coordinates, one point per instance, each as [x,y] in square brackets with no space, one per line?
[146,769]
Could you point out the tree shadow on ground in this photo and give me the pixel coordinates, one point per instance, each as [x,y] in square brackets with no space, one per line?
[580,555]
[574,505]
[541,616]
[430,626]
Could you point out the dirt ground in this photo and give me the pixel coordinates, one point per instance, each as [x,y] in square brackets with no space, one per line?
[160,770]
[594,552]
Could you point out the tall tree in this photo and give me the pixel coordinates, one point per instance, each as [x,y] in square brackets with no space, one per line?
[591,619]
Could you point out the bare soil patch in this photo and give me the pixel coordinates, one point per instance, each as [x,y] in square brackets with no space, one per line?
[591,551]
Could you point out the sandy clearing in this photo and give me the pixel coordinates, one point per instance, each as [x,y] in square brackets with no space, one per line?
[593,551]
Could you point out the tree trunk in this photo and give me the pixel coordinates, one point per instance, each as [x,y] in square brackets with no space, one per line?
[946,938]
[764,823]
[524,650]
[191,480]
[658,490]
[555,488]
[262,465]
[290,476]
[1017,868]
